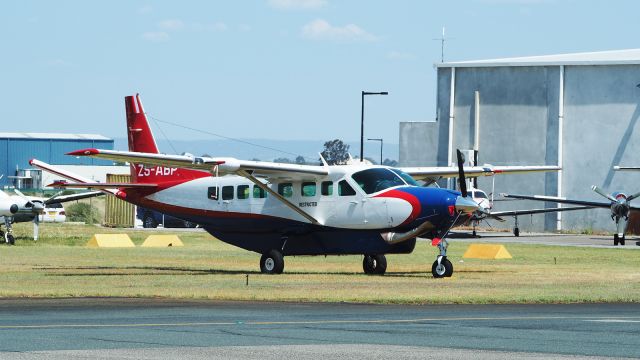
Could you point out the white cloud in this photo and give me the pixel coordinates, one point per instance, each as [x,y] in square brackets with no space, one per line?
[171,24]
[156,36]
[320,29]
[145,9]
[218,27]
[297,4]
[399,55]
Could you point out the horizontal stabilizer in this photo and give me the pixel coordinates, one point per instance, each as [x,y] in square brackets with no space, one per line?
[64,184]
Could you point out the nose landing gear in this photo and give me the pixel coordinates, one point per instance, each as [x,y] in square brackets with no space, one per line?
[442,267]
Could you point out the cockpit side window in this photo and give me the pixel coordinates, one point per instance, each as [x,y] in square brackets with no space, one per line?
[344,189]
[377,179]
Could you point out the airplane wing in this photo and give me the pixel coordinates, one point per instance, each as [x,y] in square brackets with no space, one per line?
[626,168]
[220,165]
[601,204]
[66,174]
[435,173]
[72,197]
[537,211]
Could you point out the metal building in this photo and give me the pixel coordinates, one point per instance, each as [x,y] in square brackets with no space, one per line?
[16,149]
[578,111]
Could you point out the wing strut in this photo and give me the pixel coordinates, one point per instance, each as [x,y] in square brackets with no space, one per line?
[288,203]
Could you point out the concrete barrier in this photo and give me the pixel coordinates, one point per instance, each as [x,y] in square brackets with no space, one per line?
[110,241]
[162,241]
[487,252]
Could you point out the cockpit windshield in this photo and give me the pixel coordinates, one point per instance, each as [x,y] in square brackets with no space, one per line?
[406,177]
[377,179]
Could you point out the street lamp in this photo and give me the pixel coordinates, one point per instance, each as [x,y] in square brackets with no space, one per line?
[381,144]
[362,120]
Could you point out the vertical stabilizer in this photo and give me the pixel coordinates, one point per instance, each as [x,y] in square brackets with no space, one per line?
[140,135]
[141,140]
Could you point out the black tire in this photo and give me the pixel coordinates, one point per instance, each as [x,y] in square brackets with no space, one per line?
[615,240]
[374,264]
[516,232]
[444,270]
[622,240]
[148,222]
[11,240]
[272,262]
[367,265]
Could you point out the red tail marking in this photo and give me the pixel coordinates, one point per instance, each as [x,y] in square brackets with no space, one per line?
[140,135]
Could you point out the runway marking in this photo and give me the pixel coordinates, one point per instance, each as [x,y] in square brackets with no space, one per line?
[614,321]
[323,322]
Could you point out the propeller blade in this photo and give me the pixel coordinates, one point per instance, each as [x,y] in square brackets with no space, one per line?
[461,179]
[602,193]
[633,196]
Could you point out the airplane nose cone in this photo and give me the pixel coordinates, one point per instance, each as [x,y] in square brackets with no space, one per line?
[466,205]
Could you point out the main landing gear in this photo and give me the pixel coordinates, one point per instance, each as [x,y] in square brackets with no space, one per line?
[374,264]
[8,235]
[442,267]
[272,262]
[516,229]
[618,240]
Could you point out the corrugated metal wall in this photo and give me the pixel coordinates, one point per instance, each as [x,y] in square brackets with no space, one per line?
[16,153]
[118,213]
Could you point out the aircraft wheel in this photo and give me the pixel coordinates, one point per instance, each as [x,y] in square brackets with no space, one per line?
[374,264]
[272,262]
[444,269]
[622,239]
[615,239]
[149,222]
[10,239]
[516,232]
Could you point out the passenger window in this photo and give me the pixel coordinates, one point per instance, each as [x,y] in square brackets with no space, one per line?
[259,193]
[308,189]
[243,192]
[327,188]
[212,193]
[344,189]
[227,193]
[285,189]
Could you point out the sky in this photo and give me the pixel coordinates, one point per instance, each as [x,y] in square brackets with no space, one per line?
[269,69]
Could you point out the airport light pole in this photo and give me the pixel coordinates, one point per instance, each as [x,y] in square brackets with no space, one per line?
[362,120]
[381,144]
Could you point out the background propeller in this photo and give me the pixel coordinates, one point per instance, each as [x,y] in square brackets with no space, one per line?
[461,178]
[37,208]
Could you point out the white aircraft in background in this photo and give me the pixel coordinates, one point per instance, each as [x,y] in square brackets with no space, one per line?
[20,208]
[619,205]
[279,209]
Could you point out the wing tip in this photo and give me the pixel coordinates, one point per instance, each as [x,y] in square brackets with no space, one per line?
[84,152]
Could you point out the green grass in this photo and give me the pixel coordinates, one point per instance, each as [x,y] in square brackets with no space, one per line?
[59,265]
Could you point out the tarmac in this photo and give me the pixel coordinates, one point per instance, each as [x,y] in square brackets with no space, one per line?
[108,328]
[580,240]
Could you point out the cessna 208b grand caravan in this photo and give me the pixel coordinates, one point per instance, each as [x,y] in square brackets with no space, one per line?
[286,209]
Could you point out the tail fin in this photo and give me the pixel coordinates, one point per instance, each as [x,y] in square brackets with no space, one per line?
[140,135]
[141,140]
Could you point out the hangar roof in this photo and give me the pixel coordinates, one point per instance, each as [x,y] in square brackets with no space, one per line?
[54,136]
[613,57]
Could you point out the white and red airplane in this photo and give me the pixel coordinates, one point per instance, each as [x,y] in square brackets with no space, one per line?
[281,210]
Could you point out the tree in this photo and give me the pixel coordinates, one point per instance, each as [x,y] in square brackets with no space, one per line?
[283,160]
[335,152]
[389,162]
[300,160]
